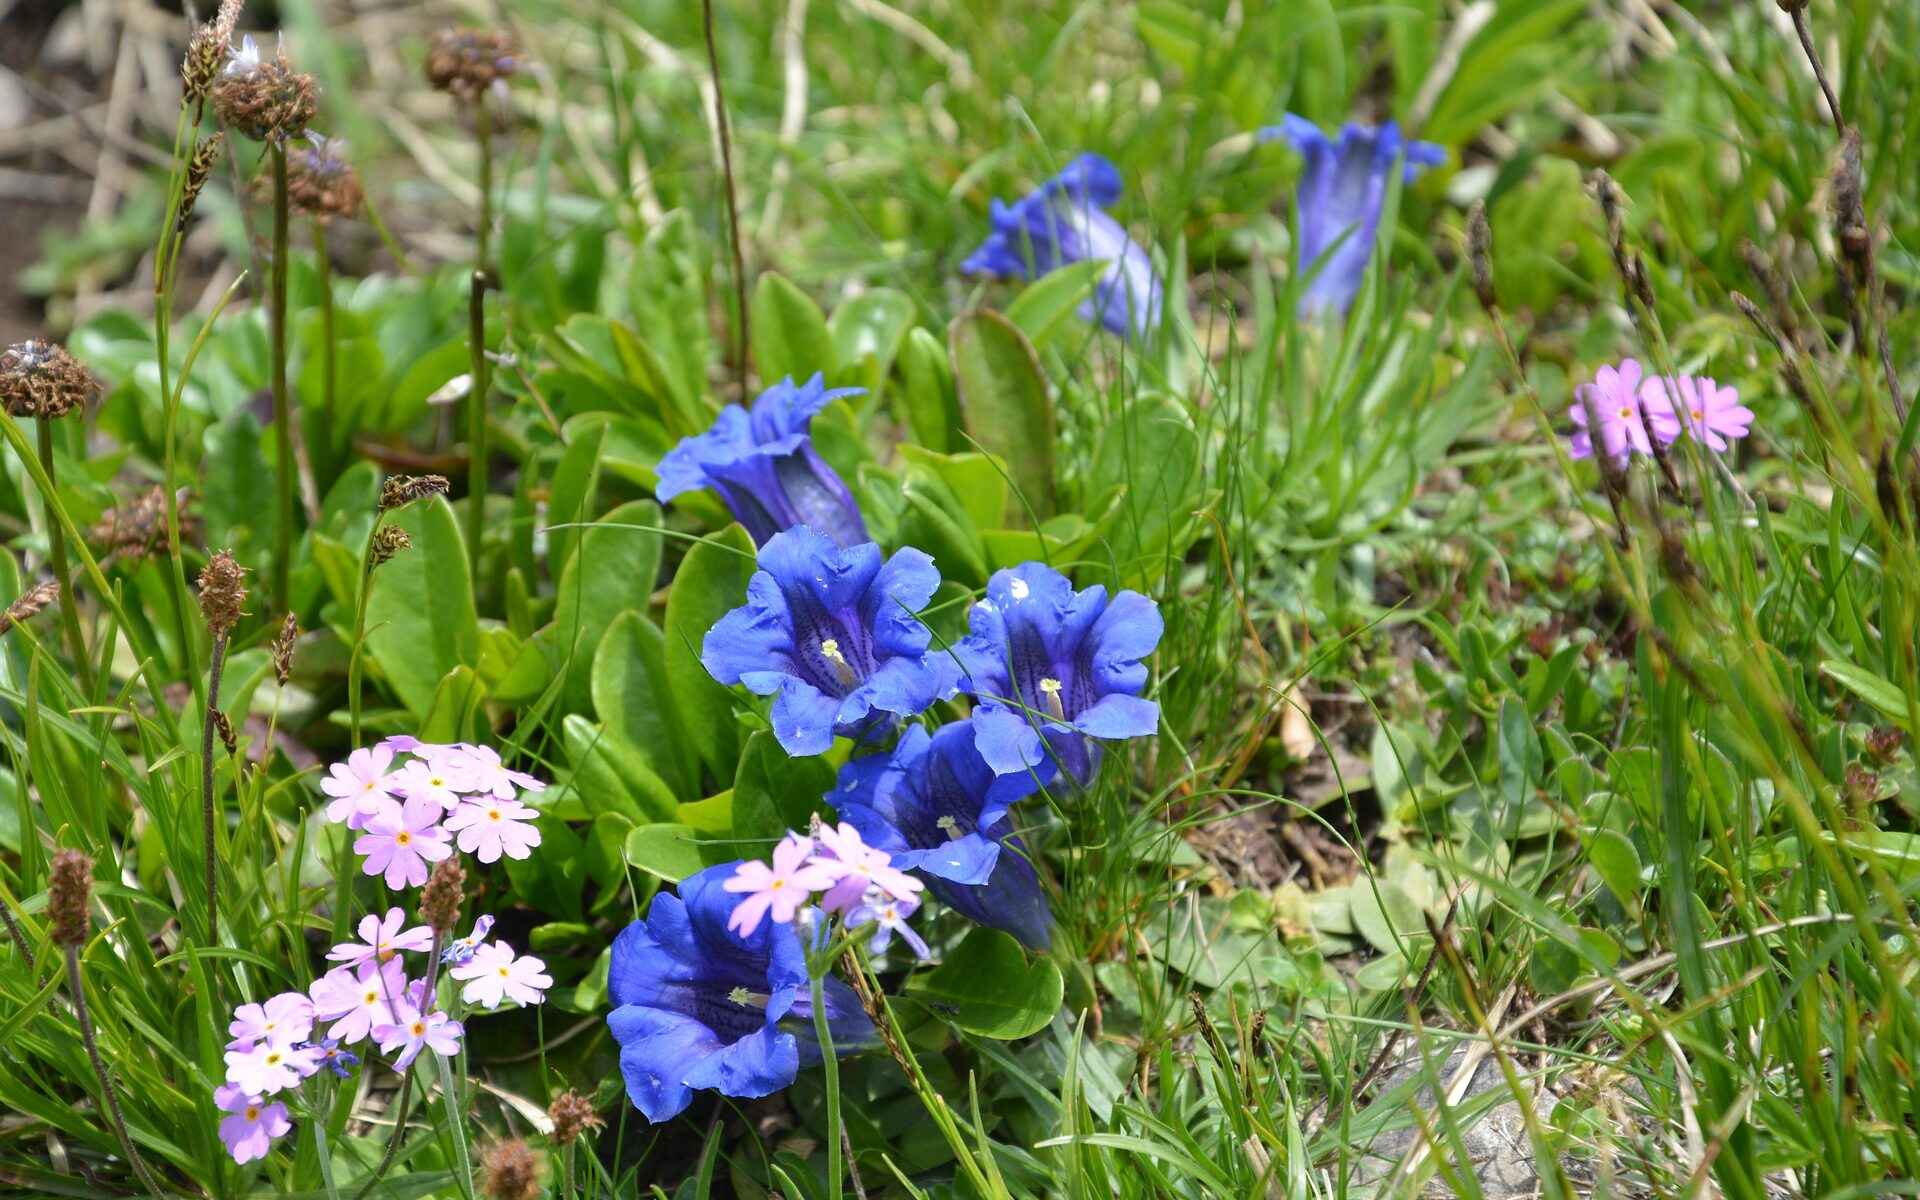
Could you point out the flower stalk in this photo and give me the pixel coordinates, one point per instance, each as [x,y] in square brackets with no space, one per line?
[57,557]
[477,415]
[282,410]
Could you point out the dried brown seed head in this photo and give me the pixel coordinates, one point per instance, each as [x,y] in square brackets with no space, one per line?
[263,99]
[467,62]
[512,1171]
[572,1115]
[31,603]
[134,529]
[442,896]
[402,490]
[283,650]
[1883,746]
[223,724]
[199,170]
[320,180]
[69,883]
[223,592]
[40,379]
[1480,253]
[389,541]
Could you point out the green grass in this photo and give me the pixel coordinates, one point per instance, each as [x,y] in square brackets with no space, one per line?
[1455,758]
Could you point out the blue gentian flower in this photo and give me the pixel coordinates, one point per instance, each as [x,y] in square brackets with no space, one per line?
[698,1006]
[831,635]
[331,1056]
[1042,658]
[764,466]
[1062,222]
[937,807]
[1340,197]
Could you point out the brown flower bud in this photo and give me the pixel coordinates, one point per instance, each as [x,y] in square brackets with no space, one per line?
[31,603]
[389,541]
[199,170]
[442,896]
[283,650]
[198,69]
[320,180]
[512,1171]
[467,62]
[1480,253]
[40,379]
[223,590]
[69,883]
[134,529]
[1883,745]
[402,490]
[1847,202]
[572,1115]
[224,725]
[263,99]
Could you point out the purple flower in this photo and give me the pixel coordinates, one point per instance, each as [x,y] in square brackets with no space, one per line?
[459,950]
[1614,399]
[332,1057]
[357,1000]
[1711,413]
[764,466]
[283,1020]
[1340,198]
[402,841]
[489,827]
[250,1130]
[361,787]
[413,1031]
[1063,221]
[495,973]
[832,635]
[698,1005]
[937,807]
[381,938]
[268,1067]
[776,891]
[888,916]
[1043,659]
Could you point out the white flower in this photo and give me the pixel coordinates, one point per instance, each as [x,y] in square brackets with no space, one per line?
[494,974]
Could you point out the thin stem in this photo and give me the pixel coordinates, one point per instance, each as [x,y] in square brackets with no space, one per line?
[406,1085]
[165,272]
[733,202]
[282,414]
[140,1167]
[831,1067]
[57,555]
[20,941]
[476,421]
[360,636]
[483,132]
[328,359]
[208,813]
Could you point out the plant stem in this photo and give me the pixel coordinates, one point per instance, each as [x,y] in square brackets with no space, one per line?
[207,805]
[830,1066]
[140,1167]
[359,637]
[406,1086]
[476,421]
[733,204]
[328,360]
[483,133]
[57,555]
[282,414]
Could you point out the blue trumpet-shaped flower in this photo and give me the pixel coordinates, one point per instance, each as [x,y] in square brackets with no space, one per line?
[698,1006]
[830,634]
[1340,198]
[1043,659]
[764,466]
[937,807]
[1064,221]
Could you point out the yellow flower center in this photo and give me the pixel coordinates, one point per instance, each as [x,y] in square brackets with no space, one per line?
[493,814]
[402,838]
[1050,688]
[253,1112]
[371,997]
[830,649]
[1625,412]
[505,974]
[419,1028]
[273,1058]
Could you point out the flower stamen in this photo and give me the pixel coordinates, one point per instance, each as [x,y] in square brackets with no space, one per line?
[830,650]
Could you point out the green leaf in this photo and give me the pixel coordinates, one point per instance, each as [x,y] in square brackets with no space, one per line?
[1153,452]
[1869,687]
[775,792]
[711,582]
[936,521]
[674,852]
[789,335]
[1618,864]
[631,697]
[1049,302]
[611,776]
[574,483]
[455,714]
[1005,404]
[987,987]
[614,571]
[933,410]
[420,617]
[867,331]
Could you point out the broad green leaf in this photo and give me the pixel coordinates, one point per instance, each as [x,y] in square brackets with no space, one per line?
[711,582]
[775,792]
[866,332]
[1046,304]
[614,572]
[933,411]
[420,616]
[631,697]
[611,776]
[455,714]
[975,479]
[1006,406]
[1863,683]
[988,987]
[936,521]
[673,852]
[789,335]
[575,481]
[1618,864]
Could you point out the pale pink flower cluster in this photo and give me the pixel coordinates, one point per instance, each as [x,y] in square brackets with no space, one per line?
[854,880]
[1623,405]
[409,813]
[414,813]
